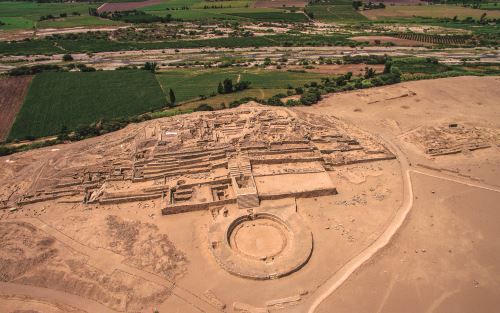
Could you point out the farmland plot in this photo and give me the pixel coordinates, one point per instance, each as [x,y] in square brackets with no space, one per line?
[190,84]
[12,93]
[69,99]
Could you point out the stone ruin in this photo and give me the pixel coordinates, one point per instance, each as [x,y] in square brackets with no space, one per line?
[453,138]
[197,161]
[225,162]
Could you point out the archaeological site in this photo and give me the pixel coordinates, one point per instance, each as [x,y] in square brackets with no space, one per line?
[353,203]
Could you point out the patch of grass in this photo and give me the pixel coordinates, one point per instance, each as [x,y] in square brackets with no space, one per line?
[341,13]
[45,46]
[273,16]
[29,47]
[225,99]
[189,84]
[16,23]
[227,14]
[73,21]
[74,98]
[24,11]
[224,4]
[434,11]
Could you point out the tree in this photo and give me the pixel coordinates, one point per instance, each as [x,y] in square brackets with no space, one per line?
[172,97]
[220,89]
[67,57]
[204,107]
[387,67]
[482,19]
[310,97]
[242,85]
[275,101]
[228,85]
[396,71]
[150,66]
[357,4]
[63,134]
[369,72]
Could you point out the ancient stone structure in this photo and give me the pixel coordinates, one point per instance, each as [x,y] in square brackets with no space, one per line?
[228,162]
[452,138]
[198,161]
[267,243]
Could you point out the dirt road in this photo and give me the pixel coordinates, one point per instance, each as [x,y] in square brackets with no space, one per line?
[350,267]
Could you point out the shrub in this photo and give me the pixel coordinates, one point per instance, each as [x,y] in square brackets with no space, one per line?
[67,57]
[310,97]
[204,107]
[275,101]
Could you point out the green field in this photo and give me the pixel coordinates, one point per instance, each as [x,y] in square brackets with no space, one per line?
[273,16]
[57,99]
[44,46]
[25,15]
[434,11]
[72,21]
[189,84]
[340,13]
[16,23]
[238,12]
[73,98]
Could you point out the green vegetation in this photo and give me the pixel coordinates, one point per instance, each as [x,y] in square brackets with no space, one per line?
[72,21]
[192,84]
[340,13]
[24,14]
[273,16]
[53,46]
[83,98]
[9,23]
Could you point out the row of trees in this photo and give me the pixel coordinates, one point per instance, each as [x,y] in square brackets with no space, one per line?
[367,6]
[227,86]
[52,17]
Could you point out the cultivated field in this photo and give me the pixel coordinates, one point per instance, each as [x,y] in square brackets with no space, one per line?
[341,13]
[12,93]
[189,84]
[434,11]
[83,98]
[126,5]
[279,3]
[24,15]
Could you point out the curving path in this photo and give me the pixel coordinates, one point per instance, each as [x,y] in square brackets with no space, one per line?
[350,267]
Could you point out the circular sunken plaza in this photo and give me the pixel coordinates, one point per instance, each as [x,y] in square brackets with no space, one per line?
[261,244]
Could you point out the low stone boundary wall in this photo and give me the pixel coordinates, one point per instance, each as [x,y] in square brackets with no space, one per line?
[182,208]
[300,194]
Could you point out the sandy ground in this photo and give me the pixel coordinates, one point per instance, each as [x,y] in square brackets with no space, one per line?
[444,257]
[438,253]
[128,257]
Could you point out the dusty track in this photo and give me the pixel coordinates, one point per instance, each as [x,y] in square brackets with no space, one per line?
[345,272]
[350,267]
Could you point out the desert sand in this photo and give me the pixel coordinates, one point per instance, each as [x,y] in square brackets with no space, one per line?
[388,194]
